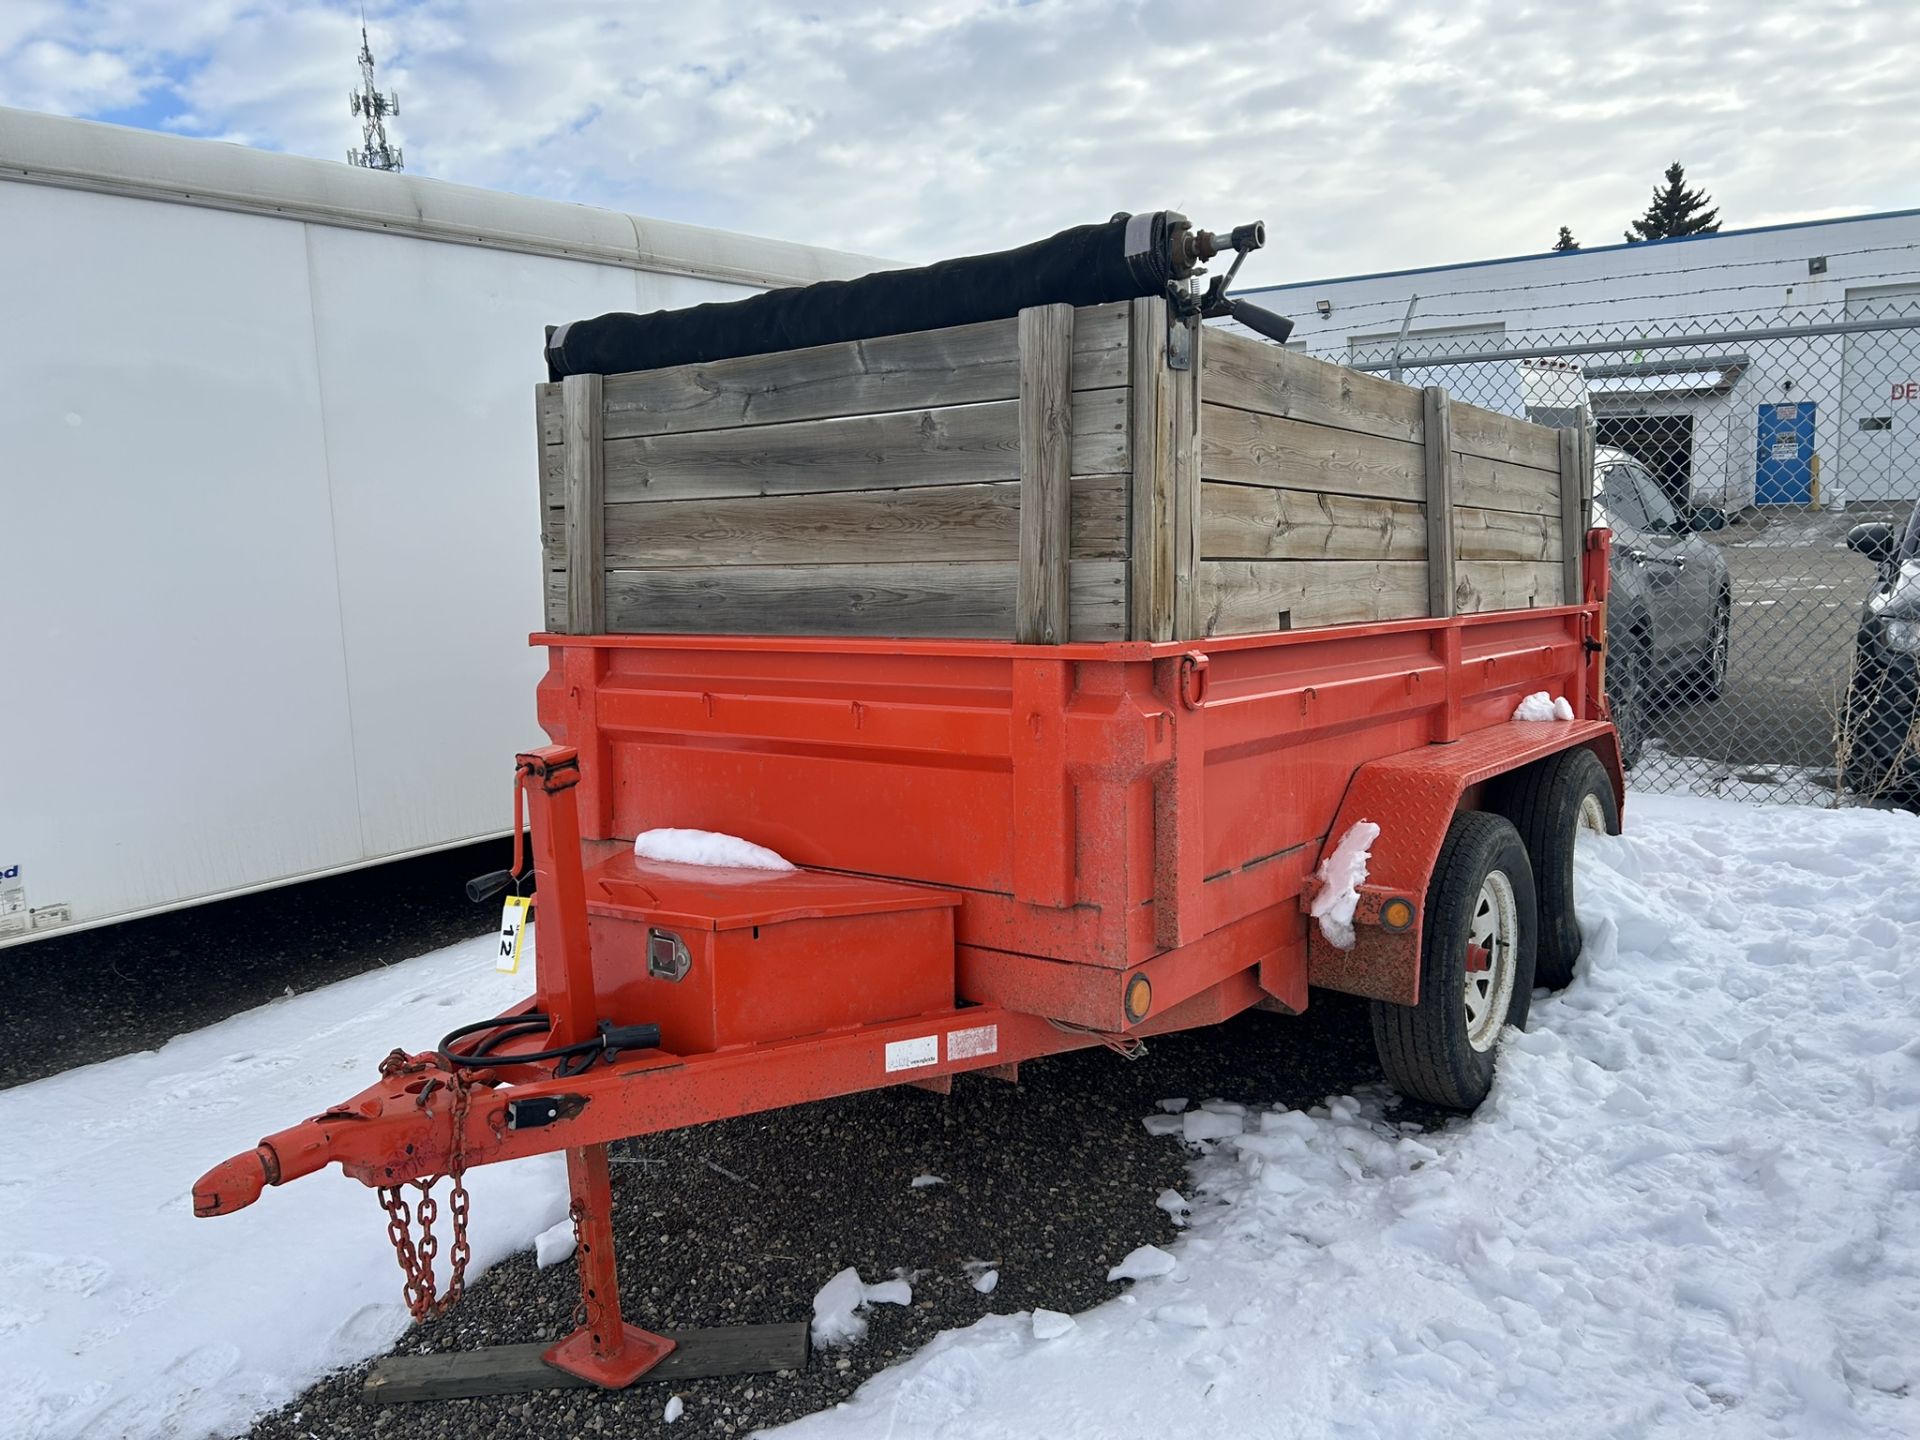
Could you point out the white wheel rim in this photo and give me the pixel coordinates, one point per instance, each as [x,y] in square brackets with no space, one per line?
[1592,816]
[1492,936]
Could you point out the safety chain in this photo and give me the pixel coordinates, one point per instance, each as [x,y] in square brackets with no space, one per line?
[576,1212]
[416,1257]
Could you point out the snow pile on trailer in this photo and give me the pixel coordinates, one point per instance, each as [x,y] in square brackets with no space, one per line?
[1689,1201]
[1341,875]
[707,847]
[1542,706]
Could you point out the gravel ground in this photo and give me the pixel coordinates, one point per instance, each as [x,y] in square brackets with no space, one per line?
[76,999]
[1054,1179]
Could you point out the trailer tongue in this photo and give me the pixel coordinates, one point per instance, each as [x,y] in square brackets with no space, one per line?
[1004,850]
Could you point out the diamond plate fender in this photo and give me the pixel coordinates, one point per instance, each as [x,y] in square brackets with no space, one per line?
[1412,797]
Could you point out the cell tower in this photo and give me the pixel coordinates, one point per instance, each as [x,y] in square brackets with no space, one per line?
[373,108]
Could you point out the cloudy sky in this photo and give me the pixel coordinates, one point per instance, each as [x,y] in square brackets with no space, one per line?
[1368,135]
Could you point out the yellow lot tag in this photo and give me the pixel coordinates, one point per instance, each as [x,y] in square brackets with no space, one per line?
[513,934]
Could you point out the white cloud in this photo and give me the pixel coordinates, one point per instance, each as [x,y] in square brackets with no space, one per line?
[1368,135]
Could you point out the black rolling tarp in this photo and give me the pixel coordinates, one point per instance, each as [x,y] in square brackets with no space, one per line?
[1089,265]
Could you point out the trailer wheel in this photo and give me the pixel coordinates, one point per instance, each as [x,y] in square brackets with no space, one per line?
[1476,967]
[1550,803]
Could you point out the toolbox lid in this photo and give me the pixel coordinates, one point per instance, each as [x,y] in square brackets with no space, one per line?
[717,897]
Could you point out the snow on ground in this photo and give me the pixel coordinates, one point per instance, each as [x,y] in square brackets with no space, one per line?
[1666,774]
[1692,1204]
[836,1317]
[123,1315]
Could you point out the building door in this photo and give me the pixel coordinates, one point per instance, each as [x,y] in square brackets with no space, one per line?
[1662,443]
[1785,472]
[1879,438]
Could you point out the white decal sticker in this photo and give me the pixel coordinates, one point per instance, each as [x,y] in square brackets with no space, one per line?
[13,900]
[966,1044]
[912,1054]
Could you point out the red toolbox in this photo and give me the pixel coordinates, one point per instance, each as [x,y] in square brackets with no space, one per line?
[721,957]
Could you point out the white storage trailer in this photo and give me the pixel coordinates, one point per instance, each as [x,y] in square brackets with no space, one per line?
[267,557]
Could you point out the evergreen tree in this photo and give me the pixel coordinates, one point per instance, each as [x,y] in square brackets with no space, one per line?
[1566,240]
[1675,210]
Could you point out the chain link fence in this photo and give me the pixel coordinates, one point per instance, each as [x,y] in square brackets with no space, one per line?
[1733,460]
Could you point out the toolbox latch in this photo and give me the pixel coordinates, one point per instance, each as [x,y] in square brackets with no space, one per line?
[667,957]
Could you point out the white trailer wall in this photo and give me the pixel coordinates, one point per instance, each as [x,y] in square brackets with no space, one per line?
[269,536]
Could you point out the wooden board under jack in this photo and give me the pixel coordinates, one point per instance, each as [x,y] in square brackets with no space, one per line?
[518,1369]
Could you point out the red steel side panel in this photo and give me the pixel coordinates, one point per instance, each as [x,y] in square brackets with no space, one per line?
[1095,805]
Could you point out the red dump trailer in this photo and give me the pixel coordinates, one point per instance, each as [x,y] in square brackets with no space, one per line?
[1006,850]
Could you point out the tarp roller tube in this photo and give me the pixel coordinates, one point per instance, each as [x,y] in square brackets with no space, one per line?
[1122,259]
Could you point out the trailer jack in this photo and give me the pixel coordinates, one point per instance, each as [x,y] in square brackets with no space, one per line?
[422,1110]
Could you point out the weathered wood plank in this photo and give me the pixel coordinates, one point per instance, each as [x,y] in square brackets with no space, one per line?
[585,456]
[1151,545]
[1188,422]
[1484,585]
[519,1369]
[547,453]
[925,370]
[547,409]
[1505,535]
[960,601]
[1572,488]
[1247,448]
[1436,409]
[955,445]
[938,522]
[1046,468]
[1504,485]
[1244,597]
[1495,436]
[1252,522]
[1252,375]
[1241,597]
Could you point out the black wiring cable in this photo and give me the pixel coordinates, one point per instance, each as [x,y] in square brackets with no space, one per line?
[607,1043]
[507,1028]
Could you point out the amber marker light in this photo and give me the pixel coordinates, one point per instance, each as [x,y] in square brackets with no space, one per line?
[1397,914]
[1139,998]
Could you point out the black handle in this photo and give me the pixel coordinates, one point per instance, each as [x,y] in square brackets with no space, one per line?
[485,887]
[1261,321]
[616,1038]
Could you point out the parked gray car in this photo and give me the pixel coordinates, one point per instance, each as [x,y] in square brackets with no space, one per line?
[1671,603]
[1879,737]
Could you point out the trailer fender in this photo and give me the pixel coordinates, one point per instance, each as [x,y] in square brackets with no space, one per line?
[1413,797]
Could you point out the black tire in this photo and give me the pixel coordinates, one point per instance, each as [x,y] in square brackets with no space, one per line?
[1427,1049]
[1708,677]
[1548,802]
[1630,694]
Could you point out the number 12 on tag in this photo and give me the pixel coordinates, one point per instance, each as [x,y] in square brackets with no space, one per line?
[513,934]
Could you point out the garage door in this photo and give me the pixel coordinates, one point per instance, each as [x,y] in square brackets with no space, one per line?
[1878,450]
